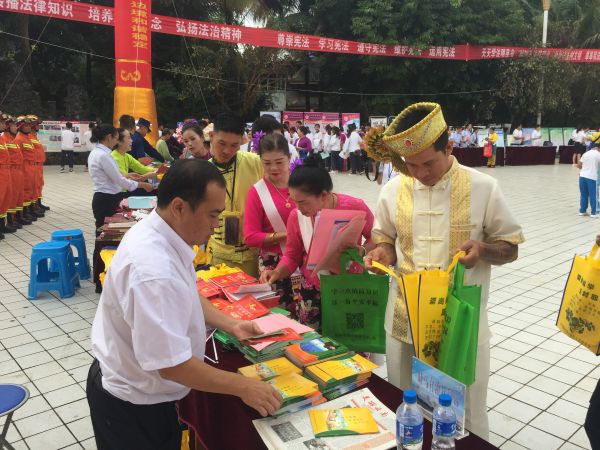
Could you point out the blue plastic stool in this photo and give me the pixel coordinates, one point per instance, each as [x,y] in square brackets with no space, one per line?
[12,397]
[63,279]
[75,238]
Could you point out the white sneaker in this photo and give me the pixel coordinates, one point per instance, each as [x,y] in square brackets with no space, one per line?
[595,216]
[582,214]
[62,170]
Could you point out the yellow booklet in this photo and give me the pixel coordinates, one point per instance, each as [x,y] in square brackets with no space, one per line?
[342,422]
[293,385]
[269,369]
[342,368]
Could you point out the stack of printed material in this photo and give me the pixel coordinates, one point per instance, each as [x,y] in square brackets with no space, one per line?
[246,309]
[280,332]
[295,431]
[260,291]
[311,352]
[269,369]
[297,392]
[339,376]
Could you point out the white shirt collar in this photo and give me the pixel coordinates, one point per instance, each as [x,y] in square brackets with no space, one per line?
[185,252]
[103,147]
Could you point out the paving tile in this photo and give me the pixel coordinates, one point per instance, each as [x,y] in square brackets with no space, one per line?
[554,425]
[59,437]
[73,411]
[580,439]
[504,425]
[65,395]
[534,397]
[568,410]
[37,423]
[531,437]
[517,409]
[82,428]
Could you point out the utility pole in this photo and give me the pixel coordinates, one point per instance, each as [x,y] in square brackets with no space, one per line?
[546,6]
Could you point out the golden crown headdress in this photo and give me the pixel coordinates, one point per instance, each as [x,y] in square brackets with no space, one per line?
[389,145]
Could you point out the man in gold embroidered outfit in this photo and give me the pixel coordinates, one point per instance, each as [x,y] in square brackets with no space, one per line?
[424,216]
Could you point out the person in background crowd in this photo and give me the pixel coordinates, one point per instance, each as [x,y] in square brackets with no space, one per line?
[160,130]
[87,144]
[536,137]
[162,146]
[267,124]
[140,147]
[30,210]
[16,216]
[107,179]
[474,138]
[423,216]
[268,207]
[40,159]
[588,176]
[247,141]
[286,132]
[517,135]
[578,139]
[303,144]
[193,139]
[5,182]
[325,147]
[334,146]
[175,147]
[129,166]
[312,190]
[295,135]
[317,139]
[451,136]
[354,149]
[67,142]
[465,136]
[492,138]
[456,137]
[149,332]
[241,171]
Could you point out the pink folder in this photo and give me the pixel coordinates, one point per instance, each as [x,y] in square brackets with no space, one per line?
[335,230]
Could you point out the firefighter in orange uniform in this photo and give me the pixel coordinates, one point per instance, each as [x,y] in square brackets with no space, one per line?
[29,176]
[16,174]
[5,181]
[40,159]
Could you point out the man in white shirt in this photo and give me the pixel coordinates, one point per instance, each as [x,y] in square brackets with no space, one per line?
[67,143]
[150,328]
[536,137]
[466,136]
[87,144]
[588,177]
[354,141]
[424,215]
[317,139]
[517,136]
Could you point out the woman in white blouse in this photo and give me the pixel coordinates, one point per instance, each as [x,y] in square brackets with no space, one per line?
[108,180]
[334,146]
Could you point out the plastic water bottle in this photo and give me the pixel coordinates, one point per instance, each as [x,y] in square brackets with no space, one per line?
[444,424]
[409,423]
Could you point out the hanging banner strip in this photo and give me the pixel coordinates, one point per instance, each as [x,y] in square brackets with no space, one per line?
[263,37]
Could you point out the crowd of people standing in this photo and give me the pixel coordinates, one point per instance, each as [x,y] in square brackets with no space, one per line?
[22,158]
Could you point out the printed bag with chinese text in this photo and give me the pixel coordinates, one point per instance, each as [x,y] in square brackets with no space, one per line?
[579,314]
[353,306]
[460,335]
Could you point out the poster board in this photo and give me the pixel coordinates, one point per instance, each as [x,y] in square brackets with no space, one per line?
[49,134]
[292,117]
[378,121]
[322,118]
[348,118]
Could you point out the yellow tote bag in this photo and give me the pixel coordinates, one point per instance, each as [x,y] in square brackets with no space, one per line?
[425,293]
[579,314]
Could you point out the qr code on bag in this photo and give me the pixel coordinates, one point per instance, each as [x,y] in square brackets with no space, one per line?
[355,321]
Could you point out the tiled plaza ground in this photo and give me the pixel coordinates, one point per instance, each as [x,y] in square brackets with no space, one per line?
[540,383]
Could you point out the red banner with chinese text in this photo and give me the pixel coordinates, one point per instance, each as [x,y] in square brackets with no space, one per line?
[133,50]
[85,12]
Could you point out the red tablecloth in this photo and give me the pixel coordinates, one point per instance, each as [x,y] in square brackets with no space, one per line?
[473,156]
[565,154]
[225,422]
[524,155]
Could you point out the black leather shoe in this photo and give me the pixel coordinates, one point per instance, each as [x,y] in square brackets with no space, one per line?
[34,210]
[22,219]
[5,227]
[13,221]
[44,207]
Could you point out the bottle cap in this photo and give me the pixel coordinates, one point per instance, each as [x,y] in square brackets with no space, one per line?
[410,397]
[445,400]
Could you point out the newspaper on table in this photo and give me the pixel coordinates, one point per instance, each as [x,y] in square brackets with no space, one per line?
[294,431]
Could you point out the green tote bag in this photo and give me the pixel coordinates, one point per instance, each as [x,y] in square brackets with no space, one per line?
[458,349]
[353,306]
